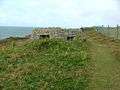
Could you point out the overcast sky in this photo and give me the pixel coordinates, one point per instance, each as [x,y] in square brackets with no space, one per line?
[63,13]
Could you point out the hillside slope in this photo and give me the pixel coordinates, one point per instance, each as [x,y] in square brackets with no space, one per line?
[44,64]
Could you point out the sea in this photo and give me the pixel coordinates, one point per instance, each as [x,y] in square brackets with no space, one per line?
[14,31]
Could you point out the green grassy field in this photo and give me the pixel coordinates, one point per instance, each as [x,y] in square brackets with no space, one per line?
[44,65]
[105,55]
[56,64]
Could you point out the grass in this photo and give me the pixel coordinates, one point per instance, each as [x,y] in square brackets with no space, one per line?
[106,64]
[45,64]
[113,44]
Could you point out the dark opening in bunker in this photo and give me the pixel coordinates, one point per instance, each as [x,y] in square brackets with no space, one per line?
[44,36]
[70,38]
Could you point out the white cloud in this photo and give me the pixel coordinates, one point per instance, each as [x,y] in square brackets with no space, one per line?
[59,12]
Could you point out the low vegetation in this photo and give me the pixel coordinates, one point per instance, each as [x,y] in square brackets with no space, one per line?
[113,44]
[45,64]
[105,54]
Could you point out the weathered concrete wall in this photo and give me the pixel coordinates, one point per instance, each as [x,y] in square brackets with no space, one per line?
[54,33]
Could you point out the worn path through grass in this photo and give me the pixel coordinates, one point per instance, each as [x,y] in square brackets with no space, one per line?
[106,75]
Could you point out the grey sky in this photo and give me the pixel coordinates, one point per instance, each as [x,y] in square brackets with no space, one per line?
[63,13]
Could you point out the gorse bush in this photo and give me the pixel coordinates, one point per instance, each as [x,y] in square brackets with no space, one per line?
[45,64]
